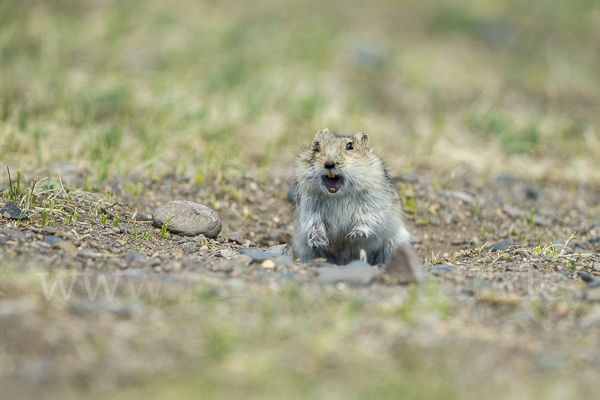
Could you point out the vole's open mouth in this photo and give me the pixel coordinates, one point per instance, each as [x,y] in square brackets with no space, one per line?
[332,182]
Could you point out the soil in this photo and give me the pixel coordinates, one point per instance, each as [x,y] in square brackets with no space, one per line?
[523,307]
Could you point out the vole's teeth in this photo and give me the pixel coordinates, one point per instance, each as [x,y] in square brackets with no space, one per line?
[332,190]
[331,175]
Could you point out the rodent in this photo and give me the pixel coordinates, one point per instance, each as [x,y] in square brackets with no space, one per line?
[345,202]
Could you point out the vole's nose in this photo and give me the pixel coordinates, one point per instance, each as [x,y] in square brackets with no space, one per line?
[329,165]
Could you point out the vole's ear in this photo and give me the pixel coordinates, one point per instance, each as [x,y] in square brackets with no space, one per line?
[362,138]
[321,133]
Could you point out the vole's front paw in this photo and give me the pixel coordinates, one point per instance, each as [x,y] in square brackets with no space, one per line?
[358,234]
[317,240]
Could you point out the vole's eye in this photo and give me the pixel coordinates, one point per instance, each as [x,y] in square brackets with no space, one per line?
[349,146]
[316,147]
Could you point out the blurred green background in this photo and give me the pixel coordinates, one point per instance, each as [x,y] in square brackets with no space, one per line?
[156,86]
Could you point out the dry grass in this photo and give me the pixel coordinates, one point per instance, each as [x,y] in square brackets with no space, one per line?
[184,87]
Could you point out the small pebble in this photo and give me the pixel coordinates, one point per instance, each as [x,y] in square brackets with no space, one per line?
[236,237]
[502,245]
[52,240]
[11,211]
[438,270]
[143,217]
[190,248]
[227,253]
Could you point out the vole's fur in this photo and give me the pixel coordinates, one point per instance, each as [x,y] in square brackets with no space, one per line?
[335,220]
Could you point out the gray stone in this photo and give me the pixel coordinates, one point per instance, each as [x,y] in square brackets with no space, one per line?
[258,255]
[525,266]
[227,253]
[596,266]
[11,211]
[532,192]
[438,270]
[143,217]
[236,237]
[587,277]
[282,249]
[200,239]
[502,245]
[52,240]
[355,273]
[189,219]
[190,248]
[405,266]
[134,257]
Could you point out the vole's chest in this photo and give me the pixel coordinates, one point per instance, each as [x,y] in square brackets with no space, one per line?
[340,217]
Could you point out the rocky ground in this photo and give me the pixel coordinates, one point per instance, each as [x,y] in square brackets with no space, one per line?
[104,302]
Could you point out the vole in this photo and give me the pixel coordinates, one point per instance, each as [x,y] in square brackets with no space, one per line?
[345,202]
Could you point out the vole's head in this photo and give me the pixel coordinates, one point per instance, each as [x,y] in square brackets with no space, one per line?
[334,163]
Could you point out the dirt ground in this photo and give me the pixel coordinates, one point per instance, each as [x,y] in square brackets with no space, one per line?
[524,320]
